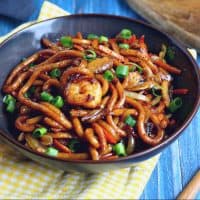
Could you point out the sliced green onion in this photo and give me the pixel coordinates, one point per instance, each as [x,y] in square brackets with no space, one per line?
[108,75]
[10,102]
[90,55]
[92,36]
[137,67]
[156,92]
[175,104]
[11,106]
[58,102]
[130,121]
[170,54]
[103,38]
[7,98]
[66,41]
[45,96]
[55,73]
[122,71]
[39,132]
[125,33]
[124,46]
[51,151]
[119,149]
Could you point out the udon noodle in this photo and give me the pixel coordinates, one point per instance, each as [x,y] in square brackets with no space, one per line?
[96,98]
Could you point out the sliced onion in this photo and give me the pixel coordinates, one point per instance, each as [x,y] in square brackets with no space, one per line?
[137,96]
[156,100]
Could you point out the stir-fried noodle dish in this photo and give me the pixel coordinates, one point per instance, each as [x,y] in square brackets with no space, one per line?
[93,98]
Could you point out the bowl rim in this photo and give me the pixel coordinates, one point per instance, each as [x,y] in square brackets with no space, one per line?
[138,155]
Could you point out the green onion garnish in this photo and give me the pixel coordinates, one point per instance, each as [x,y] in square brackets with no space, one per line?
[58,102]
[175,104]
[156,92]
[125,33]
[103,38]
[90,55]
[130,121]
[8,98]
[66,41]
[170,54]
[45,96]
[39,132]
[124,46]
[51,151]
[11,106]
[10,102]
[119,149]
[122,71]
[108,75]
[137,67]
[55,73]
[92,36]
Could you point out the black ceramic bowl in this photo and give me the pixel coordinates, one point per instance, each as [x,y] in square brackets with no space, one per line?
[27,41]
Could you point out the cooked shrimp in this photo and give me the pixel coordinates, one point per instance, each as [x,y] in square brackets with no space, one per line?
[84,92]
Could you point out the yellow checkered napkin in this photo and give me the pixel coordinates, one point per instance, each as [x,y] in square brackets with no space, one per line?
[21,178]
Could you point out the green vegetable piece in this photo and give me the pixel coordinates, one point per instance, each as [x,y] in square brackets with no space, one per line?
[51,151]
[10,103]
[137,67]
[92,36]
[90,55]
[125,33]
[39,132]
[119,149]
[124,46]
[130,121]
[175,104]
[103,38]
[66,41]
[7,98]
[11,106]
[156,92]
[45,96]
[122,71]
[108,75]
[58,102]
[55,73]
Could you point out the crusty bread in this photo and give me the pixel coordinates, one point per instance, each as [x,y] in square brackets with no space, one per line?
[180,18]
